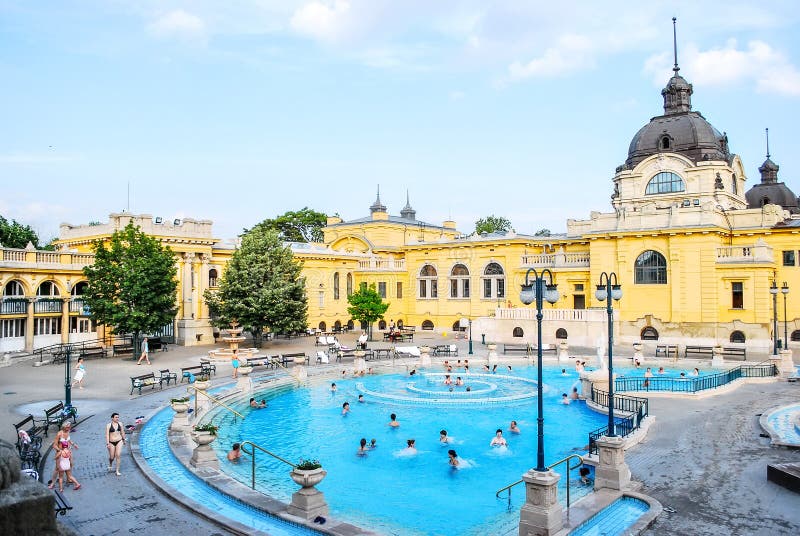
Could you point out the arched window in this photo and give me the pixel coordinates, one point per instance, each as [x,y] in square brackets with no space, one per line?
[649,334]
[349,284]
[456,326]
[427,325]
[459,281]
[665,142]
[517,332]
[795,336]
[665,182]
[561,333]
[734,188]
[351,325]
[323,327]
[47,289]
[381,324]
[13,288]
[399,324]
[765,201]
[212,277]
[428,283]
[337,326]
[650,269]
[494,281]
[364,325]
[336,285]
[737,336]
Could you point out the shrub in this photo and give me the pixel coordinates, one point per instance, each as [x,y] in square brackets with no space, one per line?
[208,427]
[307,464]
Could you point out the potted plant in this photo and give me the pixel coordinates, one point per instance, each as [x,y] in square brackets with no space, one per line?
[308,473]
[202,381]
[204,434]
[180,405]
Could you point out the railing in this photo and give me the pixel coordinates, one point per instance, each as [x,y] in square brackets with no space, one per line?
[13,306]
[555,260]
[694,384]
[527,313]
[760,252]
[34,257]
[252,454]
[386,265]
[556,464]
[76,305]
[637,409]
[214,400]
[13,255]
[48,256]
[48,305]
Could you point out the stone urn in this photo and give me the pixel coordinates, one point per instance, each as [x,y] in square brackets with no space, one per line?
[180,421]
[244,371]
[492,357]
[203,439]
[203,455]
[424,356]
[202,384]
[563,351]
[308,478]
[637,352]
[308,502]
[180,407]
[300,360]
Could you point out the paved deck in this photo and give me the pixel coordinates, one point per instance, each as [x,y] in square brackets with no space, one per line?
[712,446]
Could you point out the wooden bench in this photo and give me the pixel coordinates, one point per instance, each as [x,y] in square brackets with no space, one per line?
[61,504]
[698,350]
[57,415]
[89,351]
[446,349]
[288,357]
[382,352]
[126,348]
[345,352]
[31,427]
[735,351]
[155,343]
[202,368]
[524,348]
[137,382]
[167,376]
[667,350]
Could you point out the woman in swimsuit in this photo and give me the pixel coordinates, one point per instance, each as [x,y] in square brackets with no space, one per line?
[235,363]
[64,466]
[61,437]
[115,439]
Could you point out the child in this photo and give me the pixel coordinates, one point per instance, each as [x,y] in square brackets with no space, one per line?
[65,467]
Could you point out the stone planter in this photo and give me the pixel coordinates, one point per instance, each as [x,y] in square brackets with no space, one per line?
[203,439]
[244,371]
[203,455]
[308,478]
[492,357]
[180,421]
[180,407]
[202,384]
[308,502]
[563,351]
[299,360]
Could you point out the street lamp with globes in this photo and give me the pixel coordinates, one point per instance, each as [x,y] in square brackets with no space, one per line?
[610,289]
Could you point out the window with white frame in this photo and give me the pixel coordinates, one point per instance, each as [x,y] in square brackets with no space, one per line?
[47,326]
[336,285]
[80,325]
[459,281]
[12,327]
[428,282]
[382,289]
[47,288]
[494,281]
[349,285]
[13,288]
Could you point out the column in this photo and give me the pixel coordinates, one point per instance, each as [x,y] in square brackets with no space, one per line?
[612,471]
[29,326]
[541,513]
[65,321]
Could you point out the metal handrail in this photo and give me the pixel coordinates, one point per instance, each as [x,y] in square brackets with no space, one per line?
[252,454]
[550,467]
[213,399]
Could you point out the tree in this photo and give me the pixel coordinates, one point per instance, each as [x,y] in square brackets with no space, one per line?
[491,224]
[542,232]
[132,286]
[305,225]
[366,305]
[15,235]
[261,287]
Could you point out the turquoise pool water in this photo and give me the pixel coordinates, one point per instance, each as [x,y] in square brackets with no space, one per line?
[393,491]
[613,519]
[782,422]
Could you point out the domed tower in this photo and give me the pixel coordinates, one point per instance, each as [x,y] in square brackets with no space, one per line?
[377,206]
[679,158]
[770,191]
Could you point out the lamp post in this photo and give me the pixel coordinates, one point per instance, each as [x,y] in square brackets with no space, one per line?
[470,337]
[610,289]
[773,289]
[67,378]
[535,291]
[785,291]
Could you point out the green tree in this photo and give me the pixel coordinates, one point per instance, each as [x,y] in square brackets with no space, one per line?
[366,305]
[542,232]
[132,286]
[261,288]
[15,235]
[305,225]
[491,224]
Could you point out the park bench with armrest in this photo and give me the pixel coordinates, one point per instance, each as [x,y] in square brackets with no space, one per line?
[446,349]
[290,357]
[698,350]
[345,352]
[524,348]
[123,348]
[735,351]
[89,351]
[33,429]
[61,504]
[166,376]
[202,368]
[667,350]
[137,382]
[382,352]
[56,415]
[546,348]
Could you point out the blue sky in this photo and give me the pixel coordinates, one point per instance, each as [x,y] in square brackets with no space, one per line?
[241,110]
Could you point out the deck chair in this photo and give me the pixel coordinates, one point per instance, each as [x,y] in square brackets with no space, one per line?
[322,358]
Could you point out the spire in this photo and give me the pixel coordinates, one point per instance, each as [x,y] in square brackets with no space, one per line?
[377,206]
[408,213]
[767,129]
[769,169]
[678,93]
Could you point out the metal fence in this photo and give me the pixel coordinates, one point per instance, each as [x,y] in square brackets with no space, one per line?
[637,409]
[693,384]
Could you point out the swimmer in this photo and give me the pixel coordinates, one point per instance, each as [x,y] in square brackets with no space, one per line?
[661,370]
[469,388]
[413,371]
[574,394]
[411,446]
[514,429]
[362,447]
[443,437]
[447,380]
[683,374]
[459,381]
[393,422]
[345,408]
[498,440]
[373,443]
[509,368]
[333,388]
[235,453]
[453,458]
[696,372]
[494,369]
[262,404]
[563,372]
[565,399]
[466,369]
[361,398]
[449,368]
[370,371]
[584,472]
[253,403]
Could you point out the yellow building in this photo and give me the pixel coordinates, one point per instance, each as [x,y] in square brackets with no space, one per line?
[695,253]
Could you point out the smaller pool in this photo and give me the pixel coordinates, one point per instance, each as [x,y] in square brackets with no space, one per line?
[614,519]
[782,425]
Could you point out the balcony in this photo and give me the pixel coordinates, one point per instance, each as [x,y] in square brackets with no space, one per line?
[759,252]
[556,260]
[382,265]
[13,306]
[31,258]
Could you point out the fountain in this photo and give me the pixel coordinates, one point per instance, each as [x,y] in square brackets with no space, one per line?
[233,338]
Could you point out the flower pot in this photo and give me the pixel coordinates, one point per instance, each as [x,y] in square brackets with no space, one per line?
[244,371]
[203,438]
[299,360]
[308,478]
[180,407]
[202,384]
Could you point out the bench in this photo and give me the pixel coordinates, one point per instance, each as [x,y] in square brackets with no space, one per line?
[667,350]
[61,503]
[89,351]
[155,343]
[524,348]
[29,450]
[167,376]
[382,352]
[202,368]
[698,350]
[345,352]
[446,349]
[126,348]
[137,382]
[737,351]
[57,415]
[287,357]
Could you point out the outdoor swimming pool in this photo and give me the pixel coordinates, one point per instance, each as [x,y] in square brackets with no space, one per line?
[782,425]
[390,490]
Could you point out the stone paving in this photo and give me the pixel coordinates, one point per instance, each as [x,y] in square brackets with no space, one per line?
[703,459]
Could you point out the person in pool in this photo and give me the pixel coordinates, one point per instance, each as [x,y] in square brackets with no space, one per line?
[361,398]
[459,381]
[362,447]
[411,447]
[373,443]
[253,403]
[565,399]
[514,429]
[262,404]
[661,370]
[574,394]
[333,387]
[498,440]
[235,453]
[443,438]
[345,408]
[453,458]
[448,380]
[393,422]
[696,372]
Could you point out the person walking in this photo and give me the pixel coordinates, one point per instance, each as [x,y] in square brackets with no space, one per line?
[115,439]
[145,353]
[80,372]
[62,437]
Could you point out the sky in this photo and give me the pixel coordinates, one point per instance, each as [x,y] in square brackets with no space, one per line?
[241,110]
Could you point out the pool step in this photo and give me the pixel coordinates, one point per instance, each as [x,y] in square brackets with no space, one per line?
[785,474]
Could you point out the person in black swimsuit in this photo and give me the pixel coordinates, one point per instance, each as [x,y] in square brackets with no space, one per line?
[115,439]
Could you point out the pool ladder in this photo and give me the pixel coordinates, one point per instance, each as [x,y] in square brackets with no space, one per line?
[556,464]
[252,453]
[214,400]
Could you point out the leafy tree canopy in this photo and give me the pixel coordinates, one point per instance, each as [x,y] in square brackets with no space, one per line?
[15,235]
[542,232]
[366,305]
[305,225]
[491,224]
[261,287]
[132,286]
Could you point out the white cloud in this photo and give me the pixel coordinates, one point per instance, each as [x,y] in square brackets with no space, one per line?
[178,24]
[323,21]
[758,64]
[572,53]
